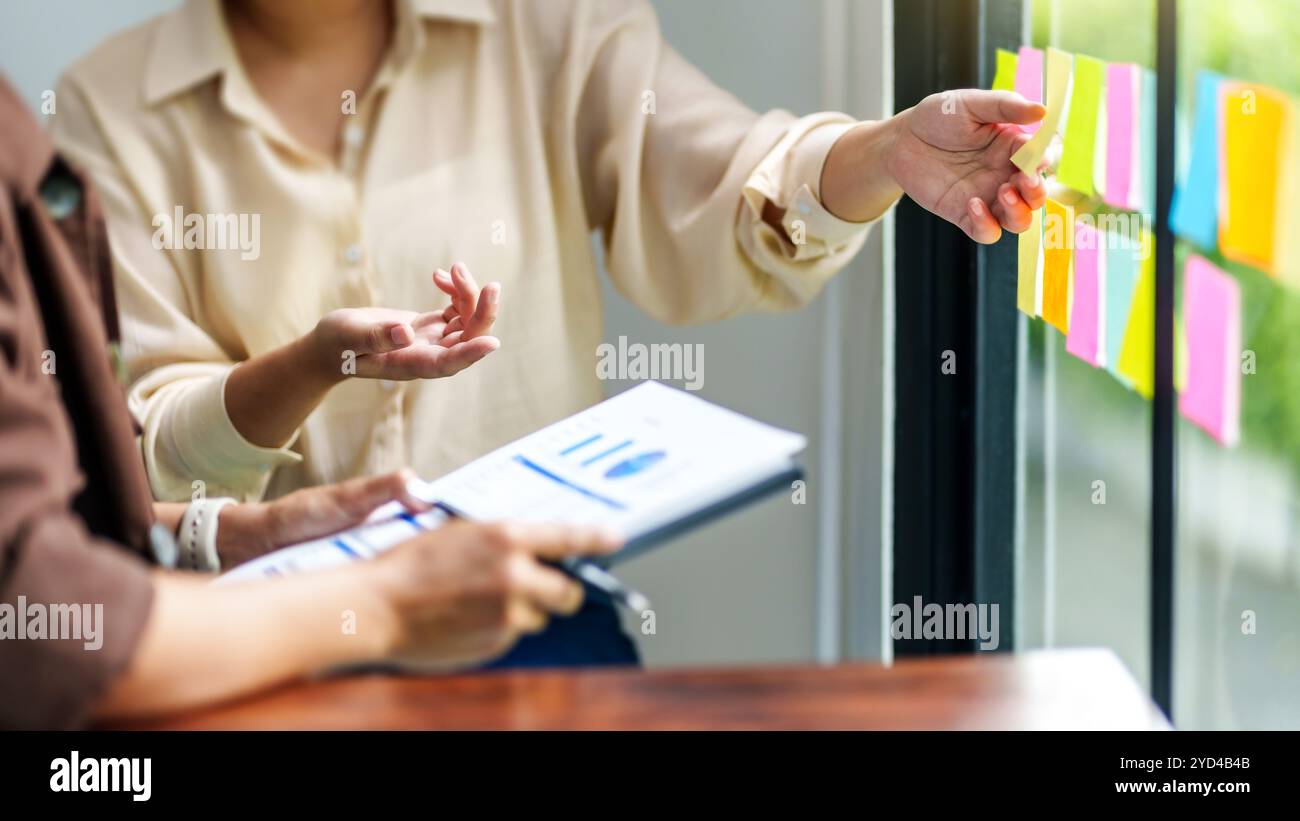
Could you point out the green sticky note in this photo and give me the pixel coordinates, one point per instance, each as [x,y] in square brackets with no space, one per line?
[1079,147]
[1137,357]
[1004,79]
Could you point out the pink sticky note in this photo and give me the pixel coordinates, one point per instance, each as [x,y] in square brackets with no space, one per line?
[1029,79]
[1212,318]
[1121,121]
[1088,311]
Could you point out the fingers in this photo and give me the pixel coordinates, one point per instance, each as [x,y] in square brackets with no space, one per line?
[1031,189]
[983,227]
[1011,210]
[485,314]
[443,280]
[360,497]
[452,285]
[1001,107]
[545,587]
[524,617]
[460,355]
[555,541]
[467,287]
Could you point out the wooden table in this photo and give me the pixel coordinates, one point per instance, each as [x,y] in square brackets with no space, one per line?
[1083,689]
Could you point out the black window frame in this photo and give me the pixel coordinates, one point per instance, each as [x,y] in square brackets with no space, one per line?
[954,439]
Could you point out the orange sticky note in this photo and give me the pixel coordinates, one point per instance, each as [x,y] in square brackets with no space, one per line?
[1058,263]
[1255,124]
[1030,258]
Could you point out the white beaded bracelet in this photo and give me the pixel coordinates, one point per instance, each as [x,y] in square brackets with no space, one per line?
[197,539]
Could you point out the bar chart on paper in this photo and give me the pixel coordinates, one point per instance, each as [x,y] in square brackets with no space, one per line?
[634,461]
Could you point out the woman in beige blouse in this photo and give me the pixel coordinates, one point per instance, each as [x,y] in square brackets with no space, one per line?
[350,145]
[375,140]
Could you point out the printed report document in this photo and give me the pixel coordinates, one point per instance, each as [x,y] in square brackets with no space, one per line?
[651,462]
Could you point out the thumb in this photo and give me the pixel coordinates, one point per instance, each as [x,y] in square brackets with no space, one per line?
[379,336]
[1002,107]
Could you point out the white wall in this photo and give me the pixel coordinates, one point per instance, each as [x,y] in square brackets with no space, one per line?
[745,589]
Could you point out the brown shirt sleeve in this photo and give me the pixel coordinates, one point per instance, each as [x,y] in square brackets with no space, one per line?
[51,564]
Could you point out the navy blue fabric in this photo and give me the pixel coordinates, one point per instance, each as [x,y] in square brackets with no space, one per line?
[592,637]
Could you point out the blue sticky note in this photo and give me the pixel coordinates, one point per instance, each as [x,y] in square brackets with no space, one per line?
[1122,265]
[1147,134]
[1195,212]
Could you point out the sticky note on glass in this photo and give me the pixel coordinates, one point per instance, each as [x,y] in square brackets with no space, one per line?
[1195,211]
[1122,81]
[1255,120]
[1058,259]
[1212,319]
[1288,215]
[1137,354]
[1087,339]
[1004,78]
[1079,144]
[1030,155]
[1029,79]
[1123,257]
[1144,174]
[1030,266]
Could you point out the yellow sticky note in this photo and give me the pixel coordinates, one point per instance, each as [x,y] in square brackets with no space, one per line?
[1288,214]
[1004,79]
[1254,125]
[1058,263]
[1030,155]
[1030,259]
[1137,357]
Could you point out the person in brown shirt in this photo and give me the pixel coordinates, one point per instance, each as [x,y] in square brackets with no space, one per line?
[80,535]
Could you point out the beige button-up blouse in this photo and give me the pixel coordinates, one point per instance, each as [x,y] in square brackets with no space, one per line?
[501,133]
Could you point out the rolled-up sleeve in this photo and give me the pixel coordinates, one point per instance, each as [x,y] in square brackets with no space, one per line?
[676,173]
[177,369]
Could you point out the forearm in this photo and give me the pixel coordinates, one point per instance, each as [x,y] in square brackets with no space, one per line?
[203,643]
[269,396]
[856,184]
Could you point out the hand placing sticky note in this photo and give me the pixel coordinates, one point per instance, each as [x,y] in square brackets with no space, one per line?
[1030,265]
[1088,303]
[1195,211]
[1058,259]
[1137,361]
[1079,145]
[1121,138]
[1004,78]
[1030,155]
[1212,318]
[1029,79]
[1255,120]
